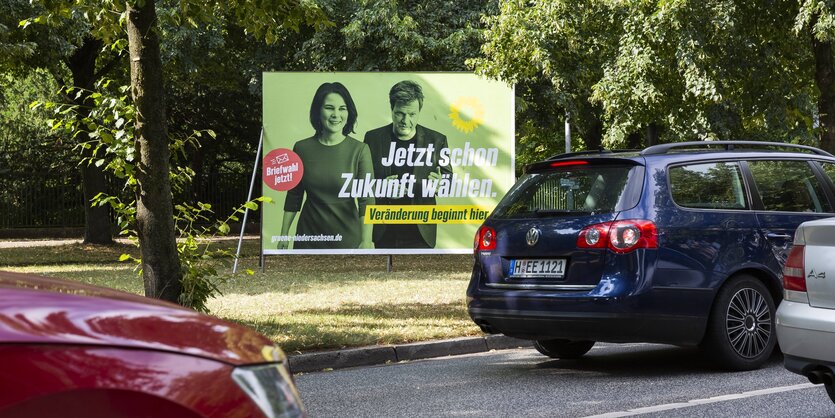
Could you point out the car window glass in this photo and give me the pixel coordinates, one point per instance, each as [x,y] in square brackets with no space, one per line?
[589,189]
[829,169]
[708,186]
[788,186]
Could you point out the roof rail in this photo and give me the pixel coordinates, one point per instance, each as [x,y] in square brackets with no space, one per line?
[728,145]
[591,152]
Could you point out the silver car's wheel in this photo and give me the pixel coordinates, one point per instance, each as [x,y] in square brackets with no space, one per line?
[740,332]
[748,322]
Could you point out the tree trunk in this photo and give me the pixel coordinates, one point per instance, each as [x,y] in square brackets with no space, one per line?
[97,226]
[154,210]
[590,125]
[825,80]
[653,132]
[634,141]
[593,135]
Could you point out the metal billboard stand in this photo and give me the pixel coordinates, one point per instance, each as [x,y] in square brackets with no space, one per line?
[246,210]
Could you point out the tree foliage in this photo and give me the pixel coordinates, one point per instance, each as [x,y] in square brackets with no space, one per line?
[106,130]
[154,216]
[29,152]
[681,69]
[618,69]
[709,70]
[556,52]
[392,35]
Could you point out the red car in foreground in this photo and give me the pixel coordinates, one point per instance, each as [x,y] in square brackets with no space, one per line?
[72,350]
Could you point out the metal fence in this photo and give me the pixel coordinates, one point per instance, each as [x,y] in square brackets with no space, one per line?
[56,200]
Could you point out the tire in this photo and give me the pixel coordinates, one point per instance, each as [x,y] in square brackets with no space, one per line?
[740,334]
[563,349]
[830,390]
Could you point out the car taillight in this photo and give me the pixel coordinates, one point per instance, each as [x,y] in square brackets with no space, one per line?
[485,239]
[594,236]
[619,236]
[794,272]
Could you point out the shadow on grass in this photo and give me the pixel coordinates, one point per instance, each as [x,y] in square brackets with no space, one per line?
[275,265]
[90,253]
[354,325]
[65,254]
[304,283]
[370,263]
[119,276]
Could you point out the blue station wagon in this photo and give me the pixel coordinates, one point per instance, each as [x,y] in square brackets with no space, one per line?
[680,243]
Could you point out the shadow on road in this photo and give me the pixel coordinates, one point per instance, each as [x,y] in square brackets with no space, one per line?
[650,360]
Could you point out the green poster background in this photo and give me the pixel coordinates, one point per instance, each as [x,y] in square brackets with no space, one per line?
[484,119]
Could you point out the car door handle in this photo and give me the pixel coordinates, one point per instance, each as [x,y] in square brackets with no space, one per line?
[772,235]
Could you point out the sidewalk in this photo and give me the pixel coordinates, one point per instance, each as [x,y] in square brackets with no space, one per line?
[17,243]
[384,354]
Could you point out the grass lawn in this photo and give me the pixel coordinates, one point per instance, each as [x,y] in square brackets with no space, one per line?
[304,303]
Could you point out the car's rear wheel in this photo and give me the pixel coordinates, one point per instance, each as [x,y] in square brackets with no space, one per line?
[740,334]
[830,390]
[564,349]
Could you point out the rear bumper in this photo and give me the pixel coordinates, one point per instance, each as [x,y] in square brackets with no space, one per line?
[803,366]
[806,332]
[621,306]
[594,326]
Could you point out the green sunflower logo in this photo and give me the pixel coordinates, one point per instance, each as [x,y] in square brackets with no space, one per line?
[466,114]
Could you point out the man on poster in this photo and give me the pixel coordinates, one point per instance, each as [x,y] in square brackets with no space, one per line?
[404,136]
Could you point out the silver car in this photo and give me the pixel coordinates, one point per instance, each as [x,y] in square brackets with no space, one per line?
[806,316]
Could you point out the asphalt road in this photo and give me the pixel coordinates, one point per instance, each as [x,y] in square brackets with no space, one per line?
[613,380]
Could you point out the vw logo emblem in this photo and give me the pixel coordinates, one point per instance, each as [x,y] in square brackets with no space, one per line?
[532,237]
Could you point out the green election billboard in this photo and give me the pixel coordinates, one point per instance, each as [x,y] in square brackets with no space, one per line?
[382,163]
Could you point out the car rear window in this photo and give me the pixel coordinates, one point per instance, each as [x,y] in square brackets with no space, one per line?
[573,190]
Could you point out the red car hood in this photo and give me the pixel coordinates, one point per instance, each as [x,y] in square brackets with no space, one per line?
[40,310]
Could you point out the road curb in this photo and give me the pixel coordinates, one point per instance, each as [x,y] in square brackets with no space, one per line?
[382,354]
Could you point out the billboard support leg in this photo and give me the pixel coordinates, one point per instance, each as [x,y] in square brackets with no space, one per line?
[389,263]
[246,210]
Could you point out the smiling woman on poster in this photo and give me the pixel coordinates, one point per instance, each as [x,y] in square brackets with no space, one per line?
[326,220]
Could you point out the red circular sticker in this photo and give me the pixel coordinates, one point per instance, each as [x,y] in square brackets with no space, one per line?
[283,169]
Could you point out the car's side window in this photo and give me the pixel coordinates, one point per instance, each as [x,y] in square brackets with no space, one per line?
[708,186]
[788,186]
[829,169]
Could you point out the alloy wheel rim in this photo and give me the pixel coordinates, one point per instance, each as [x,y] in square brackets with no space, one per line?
[748,323]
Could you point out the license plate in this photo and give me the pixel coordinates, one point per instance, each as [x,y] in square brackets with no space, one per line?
[534,267]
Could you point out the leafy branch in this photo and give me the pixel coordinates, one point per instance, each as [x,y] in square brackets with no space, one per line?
[104,129]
